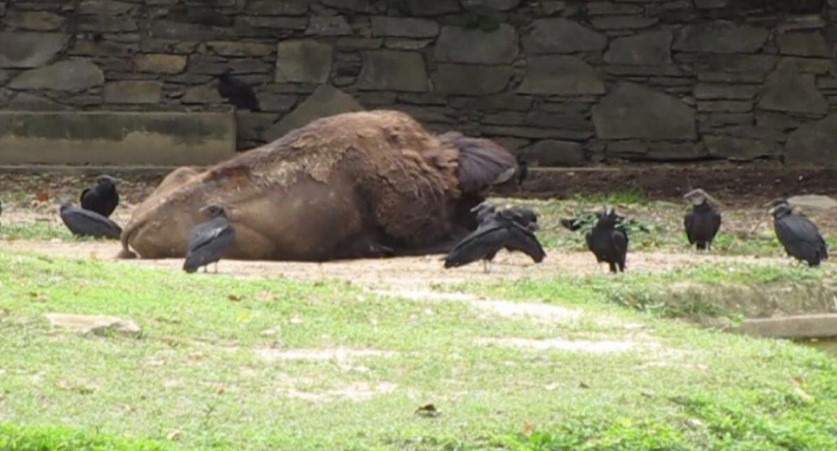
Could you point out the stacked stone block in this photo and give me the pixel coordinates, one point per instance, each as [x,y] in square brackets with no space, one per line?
[567,82]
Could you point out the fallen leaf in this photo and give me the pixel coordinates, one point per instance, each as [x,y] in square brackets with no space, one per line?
[219,389]
[806,397]
[427,410]
[265,296]
[528,429]
[174,434]
[234,298]
[583,385]
[41,196]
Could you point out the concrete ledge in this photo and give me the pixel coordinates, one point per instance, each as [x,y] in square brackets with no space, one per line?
[116,138]
[800,326]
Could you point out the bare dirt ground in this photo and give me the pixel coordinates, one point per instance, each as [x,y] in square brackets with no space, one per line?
[733,184]
[403,273]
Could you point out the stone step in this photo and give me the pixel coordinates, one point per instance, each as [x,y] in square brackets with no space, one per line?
[116,138]
[800,326]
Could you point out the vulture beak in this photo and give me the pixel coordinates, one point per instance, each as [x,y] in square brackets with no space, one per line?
[533,227]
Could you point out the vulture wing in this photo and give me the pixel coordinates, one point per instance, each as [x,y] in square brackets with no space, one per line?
[89,223]
[801,238]
[620,244]
[688,223]
[489,238]
[522,240]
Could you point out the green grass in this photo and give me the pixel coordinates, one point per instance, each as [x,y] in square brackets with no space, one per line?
[35,230]
[696,293]
[197,377]
[14,437]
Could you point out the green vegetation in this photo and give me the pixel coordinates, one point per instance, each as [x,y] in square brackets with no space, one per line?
[35,230]
[700,292]
[37,438]
[225,363]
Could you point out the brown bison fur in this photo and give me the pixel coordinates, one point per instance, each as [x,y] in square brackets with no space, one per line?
[365,184]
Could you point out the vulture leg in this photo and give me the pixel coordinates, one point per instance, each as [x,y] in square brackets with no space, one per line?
[486,268]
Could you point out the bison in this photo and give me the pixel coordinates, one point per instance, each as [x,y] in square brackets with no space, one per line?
[354,185]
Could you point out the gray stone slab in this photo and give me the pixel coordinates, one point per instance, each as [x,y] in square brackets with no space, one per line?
[720,37]
[811,43]
[27,50]
[561,35]
[801,326]
[134,92]
[474,46]
[650,48]
[561,75]
[325,101]
[792,92]
[70,75]
[811,142]
[304,60]
[813,202]
[471,79]
[404,27]
[393,70]
[105,138]
[634,111]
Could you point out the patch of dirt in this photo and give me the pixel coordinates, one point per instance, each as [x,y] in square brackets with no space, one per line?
[733,184]
[534,311]
[339,354]
[403,273]
[359,391]
[595,347]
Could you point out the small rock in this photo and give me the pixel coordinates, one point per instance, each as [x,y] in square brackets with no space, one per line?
[96,324]
[813,202]
[694,423]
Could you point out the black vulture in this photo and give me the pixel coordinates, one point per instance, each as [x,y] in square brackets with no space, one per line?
[522,169]
[799,235]
[484,210]
[703,221]
[82,222]
[237,92]
[608,240]
[524,216]
[510,229]
[210,240]
[102,198]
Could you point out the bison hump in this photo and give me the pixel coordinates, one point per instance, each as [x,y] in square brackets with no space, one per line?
[482,162]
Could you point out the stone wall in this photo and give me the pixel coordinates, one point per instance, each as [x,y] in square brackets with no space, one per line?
[564,81]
